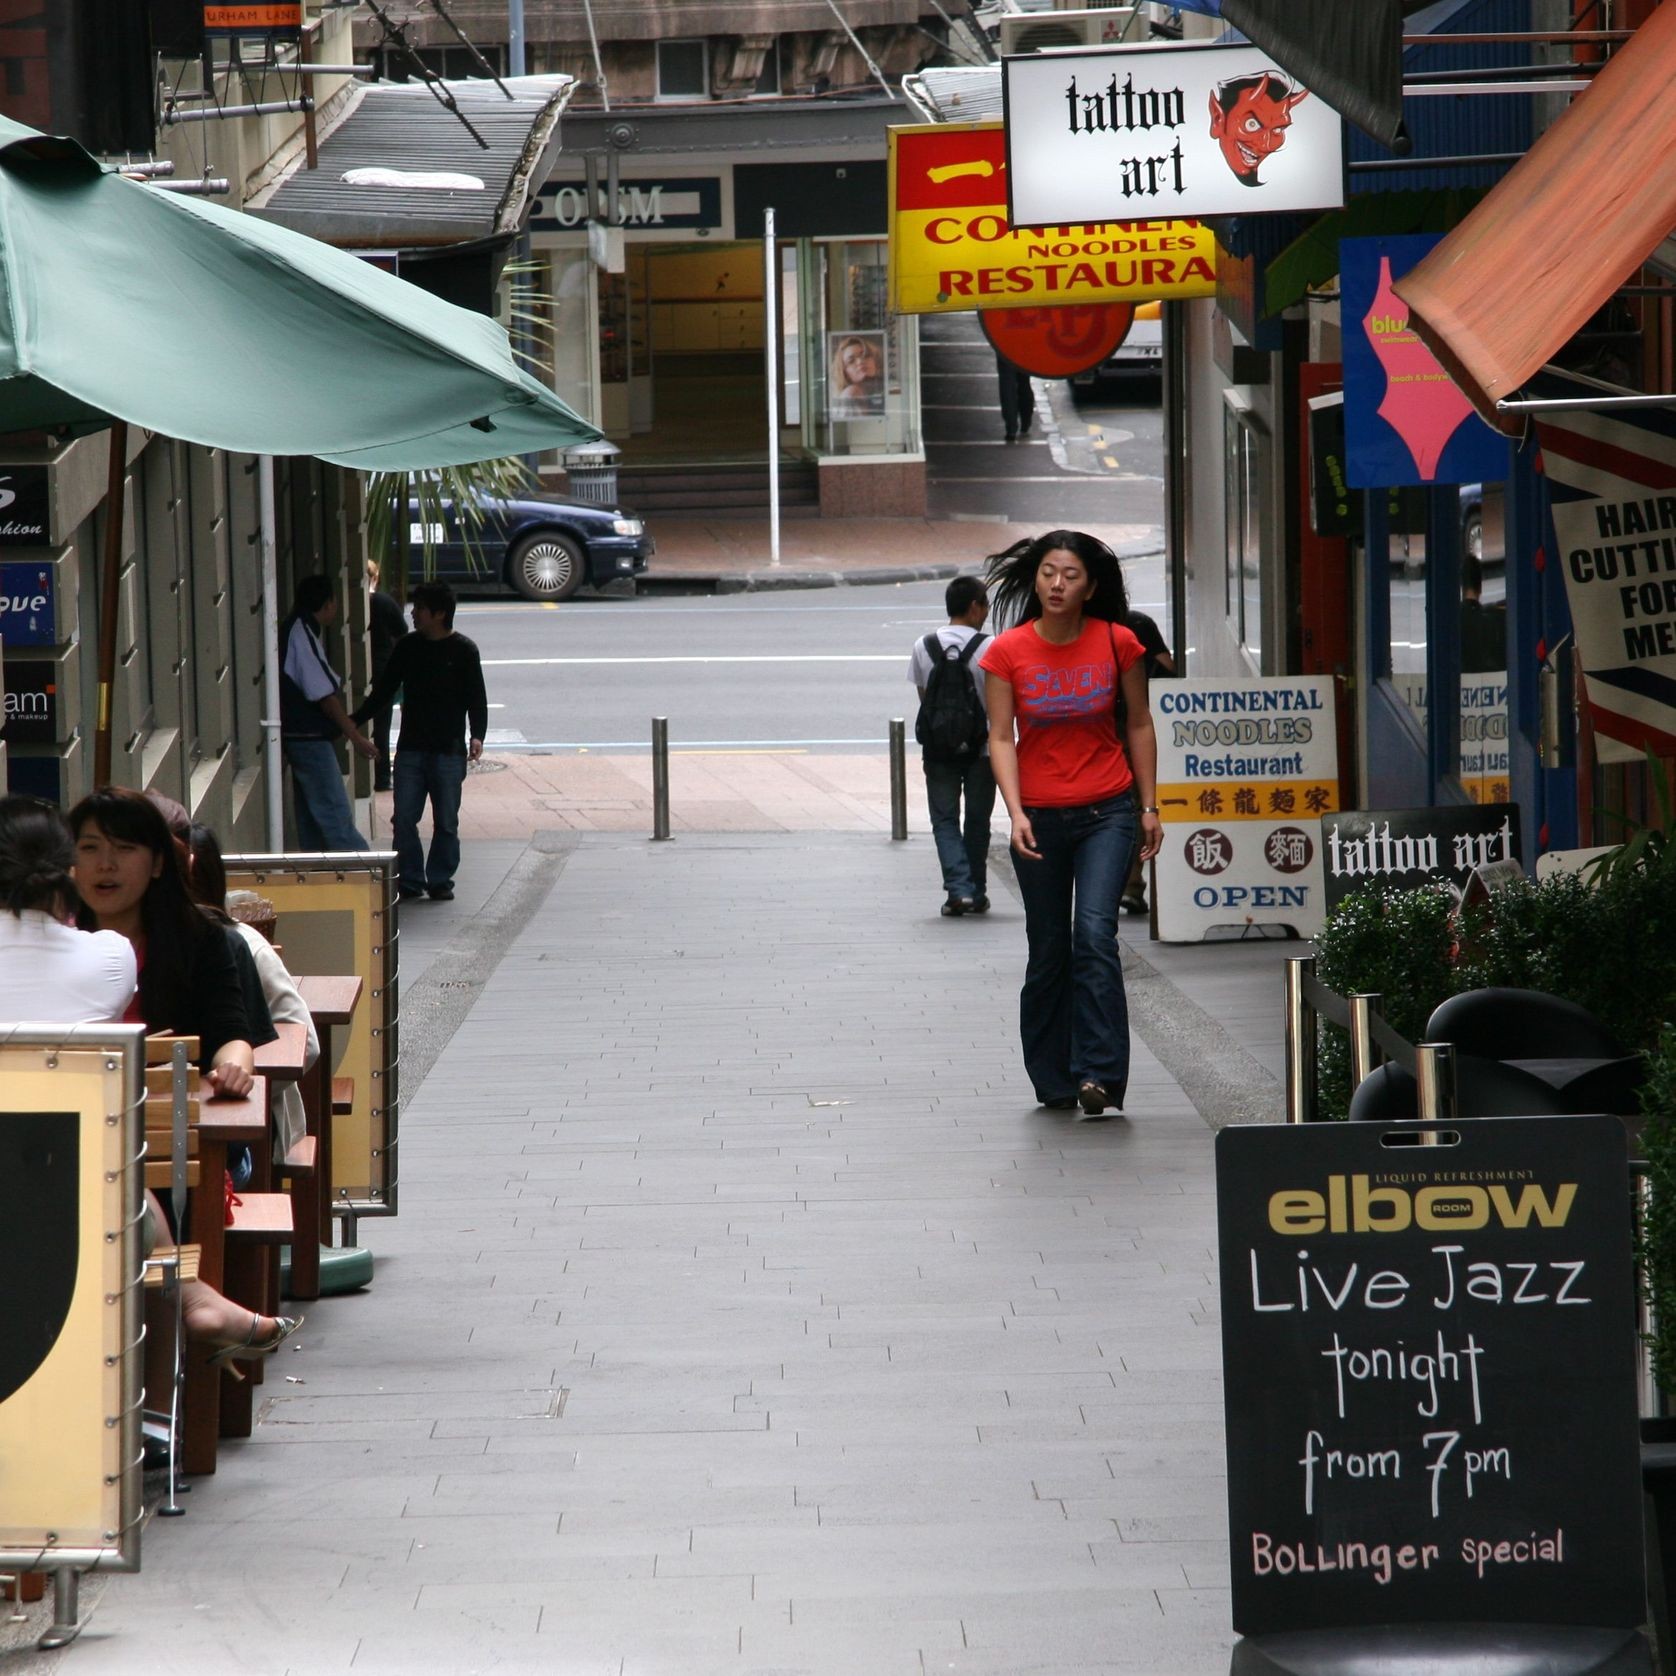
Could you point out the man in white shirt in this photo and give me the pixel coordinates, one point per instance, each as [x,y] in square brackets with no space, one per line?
[955,775]
[312,715]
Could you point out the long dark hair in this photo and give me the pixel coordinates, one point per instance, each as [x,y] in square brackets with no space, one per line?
[173,924]
[206,874]
[1012,577]
[36,855]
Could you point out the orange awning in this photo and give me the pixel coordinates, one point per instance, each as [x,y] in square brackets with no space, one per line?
[1563,229]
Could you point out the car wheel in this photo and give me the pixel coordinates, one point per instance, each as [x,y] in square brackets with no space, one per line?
[546,567]
[1472,534]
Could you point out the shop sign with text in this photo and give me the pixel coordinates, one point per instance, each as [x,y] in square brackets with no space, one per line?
[1612,488]
[1245,769]
[1402,849]
[953,248]
[1406,421]
[28,604]
[1122,133]
[23,506]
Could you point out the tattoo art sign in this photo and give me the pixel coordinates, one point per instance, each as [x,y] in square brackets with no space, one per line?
[1126,133]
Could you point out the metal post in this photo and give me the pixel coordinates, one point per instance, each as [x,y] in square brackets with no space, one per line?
[660,778]
[1434,1064]
[1363,1054]
[898,778]
[110,598]
[66,1607]
[771,353]
[273,760]
[515,37]
[1300,1041]
[1651,1398]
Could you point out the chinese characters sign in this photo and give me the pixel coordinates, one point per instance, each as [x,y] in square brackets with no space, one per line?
[1245,770]
[952,247]
[1428,1360]
[1127,132]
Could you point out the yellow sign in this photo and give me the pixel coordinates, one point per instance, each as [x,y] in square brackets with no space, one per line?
[952,248]
[1248,799]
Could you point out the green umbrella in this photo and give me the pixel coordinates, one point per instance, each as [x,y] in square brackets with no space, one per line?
[121,304]
[120,301]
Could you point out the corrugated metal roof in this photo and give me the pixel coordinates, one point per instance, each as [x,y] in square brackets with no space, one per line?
[965,94]
[403,126]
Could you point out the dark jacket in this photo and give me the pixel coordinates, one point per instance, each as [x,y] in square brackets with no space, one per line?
[441,683]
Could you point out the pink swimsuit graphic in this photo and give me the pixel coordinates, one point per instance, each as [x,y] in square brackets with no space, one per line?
[1422,404]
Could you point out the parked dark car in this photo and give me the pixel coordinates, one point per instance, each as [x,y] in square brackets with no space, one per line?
[542,545]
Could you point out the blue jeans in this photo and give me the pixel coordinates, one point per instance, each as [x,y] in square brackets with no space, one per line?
[964,854]
[318,800]
[1073,1015]
[439,776]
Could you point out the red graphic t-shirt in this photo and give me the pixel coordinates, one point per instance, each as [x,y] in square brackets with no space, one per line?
[1065,699]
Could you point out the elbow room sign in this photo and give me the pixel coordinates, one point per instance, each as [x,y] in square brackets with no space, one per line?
[1428,1354]
[1127,133]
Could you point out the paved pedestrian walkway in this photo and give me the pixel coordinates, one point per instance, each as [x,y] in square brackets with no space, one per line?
[743,1314]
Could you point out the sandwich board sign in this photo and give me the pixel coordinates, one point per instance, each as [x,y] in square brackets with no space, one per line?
[1429,1361]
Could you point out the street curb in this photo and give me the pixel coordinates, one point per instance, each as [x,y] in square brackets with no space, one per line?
[776,581]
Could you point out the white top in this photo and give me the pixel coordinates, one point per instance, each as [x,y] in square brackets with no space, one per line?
[306,663]
[285,1006]
[955,636]
[51,973]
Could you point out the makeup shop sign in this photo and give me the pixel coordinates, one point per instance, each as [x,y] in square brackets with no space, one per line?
[1128,133]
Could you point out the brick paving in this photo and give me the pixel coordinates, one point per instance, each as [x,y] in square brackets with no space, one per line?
[742,1315]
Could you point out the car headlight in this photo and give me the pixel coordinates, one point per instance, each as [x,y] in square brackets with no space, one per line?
[628,526]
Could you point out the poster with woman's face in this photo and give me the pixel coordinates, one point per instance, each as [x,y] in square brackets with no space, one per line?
[855,377]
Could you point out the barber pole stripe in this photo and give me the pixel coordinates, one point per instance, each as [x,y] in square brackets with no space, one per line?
[1612,490]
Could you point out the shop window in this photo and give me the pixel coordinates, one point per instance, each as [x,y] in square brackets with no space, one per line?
[861,357]
[683,69]
[451,63]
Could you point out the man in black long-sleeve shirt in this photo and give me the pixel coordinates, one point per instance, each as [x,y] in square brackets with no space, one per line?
[440,676]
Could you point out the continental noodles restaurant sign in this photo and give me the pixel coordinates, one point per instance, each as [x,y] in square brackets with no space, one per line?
[952,248]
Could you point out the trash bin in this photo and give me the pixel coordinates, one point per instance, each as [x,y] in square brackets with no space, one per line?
[592,472]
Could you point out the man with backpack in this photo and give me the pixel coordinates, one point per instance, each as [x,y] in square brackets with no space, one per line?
[953,732]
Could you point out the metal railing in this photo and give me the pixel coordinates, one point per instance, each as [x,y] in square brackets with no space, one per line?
[1307,999]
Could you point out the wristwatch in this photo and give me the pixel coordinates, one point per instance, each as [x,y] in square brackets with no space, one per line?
[1149,809]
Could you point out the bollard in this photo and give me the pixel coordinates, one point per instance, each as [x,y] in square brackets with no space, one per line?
[1362,1054]
[1434,1071]
[660,778]
[1651,1396]
[898,778]
[1300,1041]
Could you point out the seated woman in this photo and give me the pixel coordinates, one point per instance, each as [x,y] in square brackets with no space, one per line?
[207,880]
[123,866]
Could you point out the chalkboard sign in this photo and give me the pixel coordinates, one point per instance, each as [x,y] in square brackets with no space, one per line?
[1430,1380]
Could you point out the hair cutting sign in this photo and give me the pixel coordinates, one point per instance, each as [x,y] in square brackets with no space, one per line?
[1428,1356]
[1173,130]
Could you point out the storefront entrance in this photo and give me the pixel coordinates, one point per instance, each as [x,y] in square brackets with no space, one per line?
[681,354]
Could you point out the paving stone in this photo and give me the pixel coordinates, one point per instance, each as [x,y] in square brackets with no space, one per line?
[743,1315]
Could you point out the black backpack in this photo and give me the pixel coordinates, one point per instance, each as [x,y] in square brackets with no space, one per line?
[952,724]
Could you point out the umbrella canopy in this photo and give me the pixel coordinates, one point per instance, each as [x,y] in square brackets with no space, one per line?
[121,301]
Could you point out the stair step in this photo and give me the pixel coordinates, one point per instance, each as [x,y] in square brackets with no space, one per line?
[723,488]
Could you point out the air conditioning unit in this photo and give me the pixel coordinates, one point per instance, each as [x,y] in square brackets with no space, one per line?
[1084,26]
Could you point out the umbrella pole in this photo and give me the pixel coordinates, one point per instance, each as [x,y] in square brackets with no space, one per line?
[109,597]
[272,654]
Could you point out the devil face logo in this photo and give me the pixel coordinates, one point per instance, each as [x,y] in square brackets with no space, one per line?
[1249,116]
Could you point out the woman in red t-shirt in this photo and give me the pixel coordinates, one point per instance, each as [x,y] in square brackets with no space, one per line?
[1072,787]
